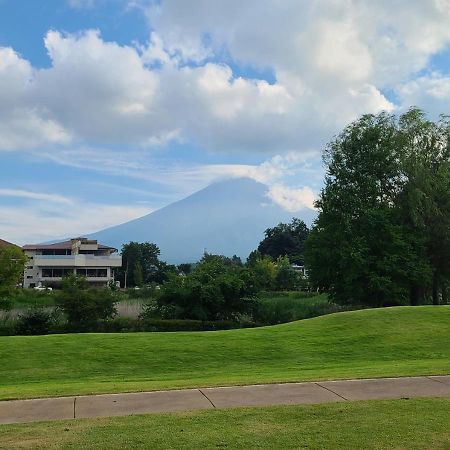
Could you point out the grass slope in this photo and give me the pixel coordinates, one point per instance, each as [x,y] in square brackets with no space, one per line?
[393,424]
[369,343]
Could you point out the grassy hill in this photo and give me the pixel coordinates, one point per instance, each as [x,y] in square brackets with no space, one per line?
[369,343]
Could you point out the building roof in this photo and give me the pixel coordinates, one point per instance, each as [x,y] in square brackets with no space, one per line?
[7,244]
[65,245]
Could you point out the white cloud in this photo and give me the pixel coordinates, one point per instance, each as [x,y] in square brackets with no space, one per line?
[26,224]
[34,195]
[324,40]
[101,92]
[23,123]
[38,216]
[181,178]
[432,92]
[292,199]
[331,61]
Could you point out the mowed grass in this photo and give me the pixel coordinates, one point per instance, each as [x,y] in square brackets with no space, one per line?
[369,343]
[393,424]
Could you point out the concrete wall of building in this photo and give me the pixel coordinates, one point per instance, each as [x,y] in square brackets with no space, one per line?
[33,270]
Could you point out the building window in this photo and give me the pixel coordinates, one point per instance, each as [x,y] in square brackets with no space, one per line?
[29,267]
[56,252]
[29,277]
[56,272]
[47,273]
[93,273]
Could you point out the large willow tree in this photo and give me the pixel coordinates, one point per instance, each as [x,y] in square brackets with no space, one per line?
[382,236]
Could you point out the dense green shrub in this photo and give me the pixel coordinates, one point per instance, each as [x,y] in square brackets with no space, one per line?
[84,307]
[187,325]
[32,298]
[34,321]
[290,294]
[129,325]
[288,307]
[6,302]
[7,326]
[217,289]
[145,292]
[287,279]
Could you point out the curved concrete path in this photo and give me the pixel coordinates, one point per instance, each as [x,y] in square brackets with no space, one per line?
[17,411]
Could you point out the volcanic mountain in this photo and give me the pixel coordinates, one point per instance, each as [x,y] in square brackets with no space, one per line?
[227,217]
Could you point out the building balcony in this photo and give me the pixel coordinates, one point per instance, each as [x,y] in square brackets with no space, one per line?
[77,261]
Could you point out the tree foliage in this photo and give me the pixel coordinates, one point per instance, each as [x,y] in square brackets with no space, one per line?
[141,265]
[82,306]
[12,264]
[285,240]
[383,232]
[218,288]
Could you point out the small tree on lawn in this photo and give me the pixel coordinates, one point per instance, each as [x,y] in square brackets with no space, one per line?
[84,307]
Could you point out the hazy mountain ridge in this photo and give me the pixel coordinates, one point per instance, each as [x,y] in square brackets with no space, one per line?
[227,217]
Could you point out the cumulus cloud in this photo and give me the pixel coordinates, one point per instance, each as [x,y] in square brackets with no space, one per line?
[432,92]
[23,122]
[346,39]
[331,61]
[292,199]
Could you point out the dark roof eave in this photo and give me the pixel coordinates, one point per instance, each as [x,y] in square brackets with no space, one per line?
[64,245]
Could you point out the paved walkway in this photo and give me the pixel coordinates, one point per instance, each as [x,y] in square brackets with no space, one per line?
[16,411]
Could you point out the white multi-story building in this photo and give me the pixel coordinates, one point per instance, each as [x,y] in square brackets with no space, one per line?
[49,263]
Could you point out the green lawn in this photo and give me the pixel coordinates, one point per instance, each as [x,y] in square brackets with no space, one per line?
[394,424]
[368,343]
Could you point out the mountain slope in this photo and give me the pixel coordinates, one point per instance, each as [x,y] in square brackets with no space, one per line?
[228,218]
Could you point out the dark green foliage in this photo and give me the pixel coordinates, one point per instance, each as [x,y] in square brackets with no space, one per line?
[286,307]
[138,277]
[185,268]
[383,233]
[84,307]
[7,326]
[217,289]
[6,301]
[12,263]
[187,325]
[285,240]
[287,279]
[141,265]
[35,321]
[264,271]
[278,275]
[144,292]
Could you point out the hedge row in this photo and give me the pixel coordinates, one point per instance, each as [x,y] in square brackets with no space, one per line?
[126,324]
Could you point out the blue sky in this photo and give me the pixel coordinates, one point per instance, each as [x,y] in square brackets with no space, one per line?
[110,109]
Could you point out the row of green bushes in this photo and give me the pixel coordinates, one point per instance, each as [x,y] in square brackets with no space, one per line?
[37,322]
[287,307]
[281,308]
